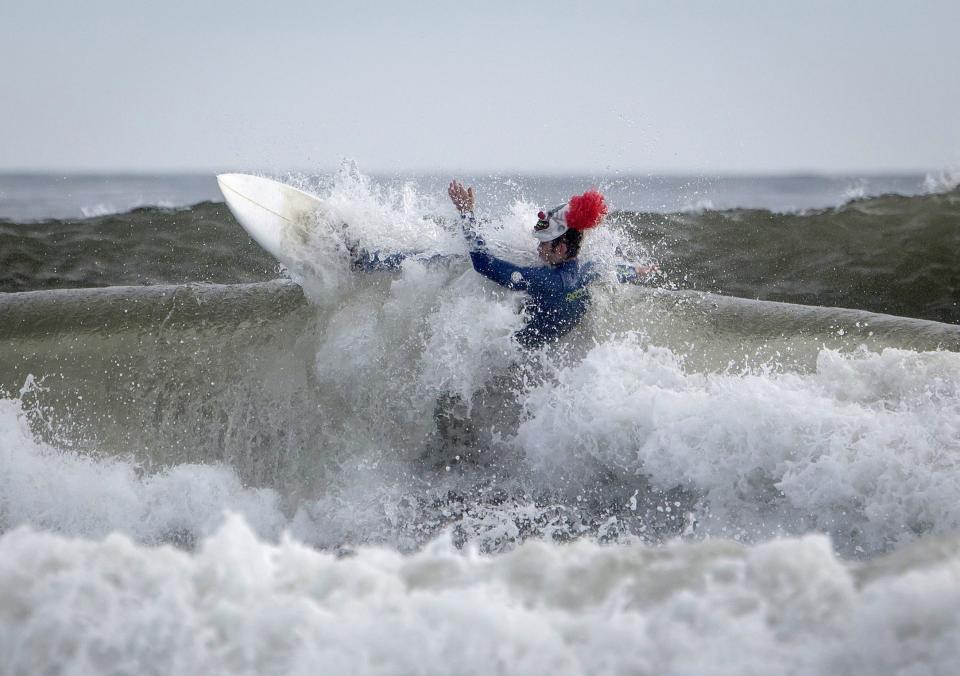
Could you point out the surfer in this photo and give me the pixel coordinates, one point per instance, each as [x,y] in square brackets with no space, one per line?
[558,290]
[559,297]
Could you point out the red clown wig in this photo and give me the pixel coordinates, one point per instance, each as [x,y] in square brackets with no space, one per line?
[585,211]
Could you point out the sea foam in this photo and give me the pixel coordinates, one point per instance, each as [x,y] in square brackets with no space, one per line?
[866,447]
[239,605]
[81,494]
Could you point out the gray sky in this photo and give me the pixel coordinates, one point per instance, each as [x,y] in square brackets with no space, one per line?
[526,86]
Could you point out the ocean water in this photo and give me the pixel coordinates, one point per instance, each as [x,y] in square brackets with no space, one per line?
[33,197]
[211,464]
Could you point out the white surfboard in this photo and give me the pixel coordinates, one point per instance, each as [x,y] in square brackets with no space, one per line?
[277,216]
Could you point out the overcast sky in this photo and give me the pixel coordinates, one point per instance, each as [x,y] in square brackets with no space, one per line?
[703,87]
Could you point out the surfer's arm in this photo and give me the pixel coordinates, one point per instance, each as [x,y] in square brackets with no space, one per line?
[493,268]
[500,271]
[374,261]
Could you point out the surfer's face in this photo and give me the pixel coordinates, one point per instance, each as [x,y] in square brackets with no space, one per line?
[552,253]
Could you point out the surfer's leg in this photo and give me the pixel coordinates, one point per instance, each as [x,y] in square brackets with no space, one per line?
[470,433]
[500,401]
[456,433]
[452,417]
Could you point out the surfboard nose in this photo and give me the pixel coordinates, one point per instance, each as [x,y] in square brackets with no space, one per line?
[269,211]
[232,182]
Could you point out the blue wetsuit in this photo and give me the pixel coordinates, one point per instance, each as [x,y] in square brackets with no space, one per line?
[559,296]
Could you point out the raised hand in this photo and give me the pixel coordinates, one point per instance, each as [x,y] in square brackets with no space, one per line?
[461,197]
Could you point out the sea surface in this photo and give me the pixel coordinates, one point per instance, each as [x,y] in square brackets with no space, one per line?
[210,463]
